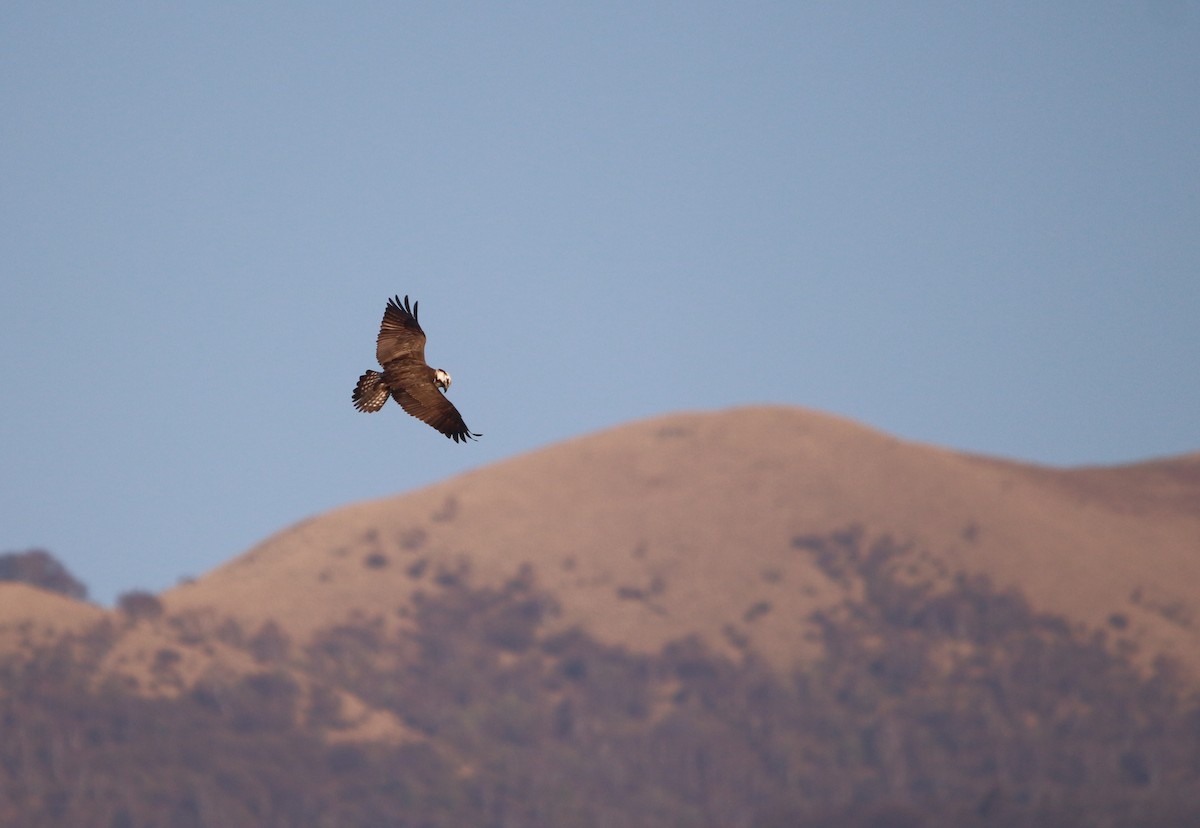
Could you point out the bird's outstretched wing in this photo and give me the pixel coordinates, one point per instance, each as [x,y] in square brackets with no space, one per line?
[400,334]
[413,387]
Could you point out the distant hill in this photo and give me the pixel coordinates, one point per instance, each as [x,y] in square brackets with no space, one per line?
[687,523]
[759,617]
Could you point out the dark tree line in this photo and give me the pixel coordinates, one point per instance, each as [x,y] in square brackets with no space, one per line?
[935,704]
[41,569]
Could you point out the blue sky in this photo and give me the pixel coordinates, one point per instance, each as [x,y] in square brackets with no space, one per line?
[974,225]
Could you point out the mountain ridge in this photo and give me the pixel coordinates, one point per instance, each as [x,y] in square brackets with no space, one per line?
[764,616]
[685,523]
[690,523]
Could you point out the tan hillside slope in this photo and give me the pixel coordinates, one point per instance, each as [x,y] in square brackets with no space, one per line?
[687,524]
[31,617]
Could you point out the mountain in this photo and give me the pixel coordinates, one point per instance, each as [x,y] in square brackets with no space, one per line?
[752,618]
[690,523]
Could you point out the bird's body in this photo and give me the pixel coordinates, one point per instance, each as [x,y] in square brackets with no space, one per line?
[406,377]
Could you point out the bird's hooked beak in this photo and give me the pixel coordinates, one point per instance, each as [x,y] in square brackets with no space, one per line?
[441,379]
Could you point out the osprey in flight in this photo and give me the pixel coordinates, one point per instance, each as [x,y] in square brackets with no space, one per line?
[406,377]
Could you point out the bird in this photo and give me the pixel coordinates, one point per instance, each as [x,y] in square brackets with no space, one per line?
[406,377]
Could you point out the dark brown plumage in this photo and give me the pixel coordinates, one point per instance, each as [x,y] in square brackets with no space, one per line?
[406,377]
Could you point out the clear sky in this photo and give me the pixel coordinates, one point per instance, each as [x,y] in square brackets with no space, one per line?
[969,224]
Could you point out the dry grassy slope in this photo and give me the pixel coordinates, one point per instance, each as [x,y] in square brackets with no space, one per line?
[684,524]
[30,617]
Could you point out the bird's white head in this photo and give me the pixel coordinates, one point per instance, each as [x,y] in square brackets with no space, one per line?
[441,379]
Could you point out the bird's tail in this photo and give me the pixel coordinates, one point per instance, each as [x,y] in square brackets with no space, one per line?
[371,392]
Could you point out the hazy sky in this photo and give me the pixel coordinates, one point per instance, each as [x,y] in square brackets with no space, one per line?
[969,224]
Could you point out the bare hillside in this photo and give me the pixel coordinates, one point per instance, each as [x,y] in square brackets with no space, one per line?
[30,616]
[692,523]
